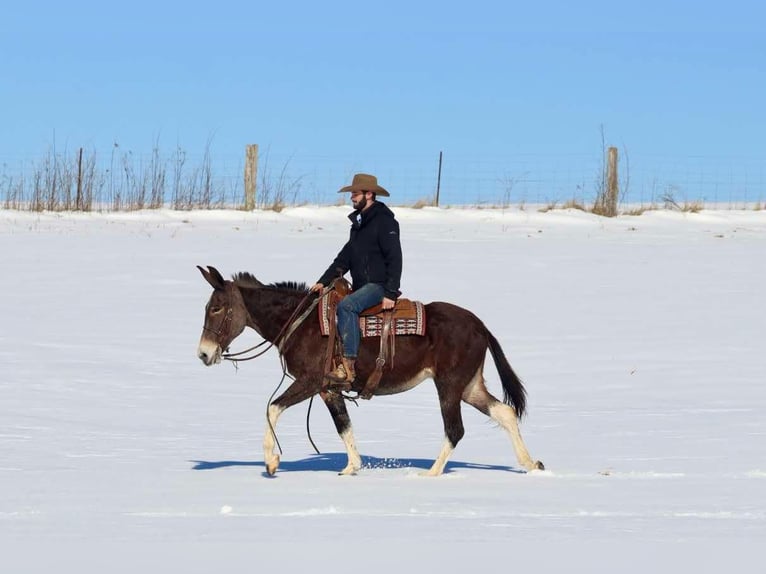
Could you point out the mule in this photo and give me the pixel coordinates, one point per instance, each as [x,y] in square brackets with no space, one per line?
[451,353]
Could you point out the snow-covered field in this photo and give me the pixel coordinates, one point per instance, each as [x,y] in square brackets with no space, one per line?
[641,341]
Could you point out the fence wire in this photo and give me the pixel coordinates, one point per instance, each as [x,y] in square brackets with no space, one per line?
[184,180]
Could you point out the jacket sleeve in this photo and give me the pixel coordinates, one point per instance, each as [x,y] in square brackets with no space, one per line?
[339,267]
[391,248]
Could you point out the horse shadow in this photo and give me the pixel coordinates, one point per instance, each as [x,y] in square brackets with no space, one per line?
[335,461]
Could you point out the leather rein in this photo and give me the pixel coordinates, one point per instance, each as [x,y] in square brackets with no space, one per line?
[291,325]
[293,322]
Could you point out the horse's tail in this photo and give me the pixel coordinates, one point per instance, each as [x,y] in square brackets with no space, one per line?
[514,393]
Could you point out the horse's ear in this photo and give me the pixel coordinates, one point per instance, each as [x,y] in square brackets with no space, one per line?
[217,276]
[213,277]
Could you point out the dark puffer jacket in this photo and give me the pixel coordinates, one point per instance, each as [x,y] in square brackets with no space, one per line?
[373,253]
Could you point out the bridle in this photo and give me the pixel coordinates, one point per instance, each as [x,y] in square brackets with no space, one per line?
[293,322]
[291,325]
[224,328]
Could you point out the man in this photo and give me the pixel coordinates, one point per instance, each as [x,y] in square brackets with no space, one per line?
[373,255]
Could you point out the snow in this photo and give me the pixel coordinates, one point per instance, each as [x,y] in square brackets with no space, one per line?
[640,341]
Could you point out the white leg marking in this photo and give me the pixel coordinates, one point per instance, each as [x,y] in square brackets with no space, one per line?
[476,394]
[270,458]
[506,417]
[354,460]
[476,391]
[441,461]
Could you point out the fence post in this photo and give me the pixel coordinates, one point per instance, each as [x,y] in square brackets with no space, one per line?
[78,199]
[612,186]
[251,175]
[438,181]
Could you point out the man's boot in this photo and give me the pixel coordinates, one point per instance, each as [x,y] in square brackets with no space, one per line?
[344,374]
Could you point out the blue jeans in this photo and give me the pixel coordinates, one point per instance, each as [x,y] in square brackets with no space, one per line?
[348,315]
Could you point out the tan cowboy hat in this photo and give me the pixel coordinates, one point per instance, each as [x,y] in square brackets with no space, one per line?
[365,182]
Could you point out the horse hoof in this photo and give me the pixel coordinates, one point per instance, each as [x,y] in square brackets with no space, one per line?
[271,467]
[539,465]
[429,473]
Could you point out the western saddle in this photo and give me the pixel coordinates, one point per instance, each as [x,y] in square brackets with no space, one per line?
[374,321]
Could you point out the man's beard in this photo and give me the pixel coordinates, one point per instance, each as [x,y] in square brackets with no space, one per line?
[361,204]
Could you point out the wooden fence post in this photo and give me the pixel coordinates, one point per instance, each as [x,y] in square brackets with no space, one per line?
[438,181]
[251,175]
[612,185]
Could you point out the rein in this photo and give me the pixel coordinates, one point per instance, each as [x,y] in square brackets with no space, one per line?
[290,326]
[287,330]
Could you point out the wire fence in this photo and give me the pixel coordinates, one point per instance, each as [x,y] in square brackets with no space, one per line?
[126,180]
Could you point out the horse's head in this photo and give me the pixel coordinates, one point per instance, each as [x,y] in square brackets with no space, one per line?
[225,317]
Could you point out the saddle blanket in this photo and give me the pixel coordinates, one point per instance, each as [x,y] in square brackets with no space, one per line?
[409,319]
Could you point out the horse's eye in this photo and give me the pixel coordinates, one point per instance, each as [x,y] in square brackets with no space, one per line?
[215,310]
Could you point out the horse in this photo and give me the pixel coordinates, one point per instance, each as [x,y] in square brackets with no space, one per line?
[451,353]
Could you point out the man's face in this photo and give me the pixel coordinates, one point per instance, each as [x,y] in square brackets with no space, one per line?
[359,199]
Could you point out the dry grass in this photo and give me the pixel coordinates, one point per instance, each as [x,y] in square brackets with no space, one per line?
[693,207]
[640,210]
[550,207]
[573,204]
[77,181]
[599,209]
[423,202]
[688,206]
[82,181]
[277,191]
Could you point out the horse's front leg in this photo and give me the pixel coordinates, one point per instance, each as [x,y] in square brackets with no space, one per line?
[336,404]
[299,391]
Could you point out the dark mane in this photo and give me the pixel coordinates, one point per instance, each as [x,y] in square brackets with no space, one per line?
[245,279]
[290,286]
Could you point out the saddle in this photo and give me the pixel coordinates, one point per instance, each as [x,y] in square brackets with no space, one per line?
[407,318]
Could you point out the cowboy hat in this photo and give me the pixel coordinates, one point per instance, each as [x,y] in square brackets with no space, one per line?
[365,182]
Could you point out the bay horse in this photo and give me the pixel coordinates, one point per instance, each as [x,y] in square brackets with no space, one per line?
[452,353]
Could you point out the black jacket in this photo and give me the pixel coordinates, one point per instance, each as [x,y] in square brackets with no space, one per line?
[373,253]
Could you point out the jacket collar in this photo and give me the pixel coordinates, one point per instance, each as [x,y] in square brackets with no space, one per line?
[367,215]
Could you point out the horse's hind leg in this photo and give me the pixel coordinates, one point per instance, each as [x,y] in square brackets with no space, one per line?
[336,404]
[477,395]
[453,425]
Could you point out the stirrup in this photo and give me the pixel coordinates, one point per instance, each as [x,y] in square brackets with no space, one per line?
[350,396]
[339,375]
[334,386]
[344,371]
[337,380]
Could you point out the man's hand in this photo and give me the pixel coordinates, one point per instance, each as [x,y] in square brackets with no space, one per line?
[388,303]
[316,287]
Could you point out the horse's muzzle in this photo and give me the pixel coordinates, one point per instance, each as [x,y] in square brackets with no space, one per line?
[209,353]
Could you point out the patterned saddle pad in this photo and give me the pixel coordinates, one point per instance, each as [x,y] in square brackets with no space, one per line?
[409,318]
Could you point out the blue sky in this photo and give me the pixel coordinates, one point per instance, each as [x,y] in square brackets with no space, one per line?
[353,82]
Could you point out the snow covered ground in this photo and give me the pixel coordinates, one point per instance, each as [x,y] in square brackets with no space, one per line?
[640,340]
